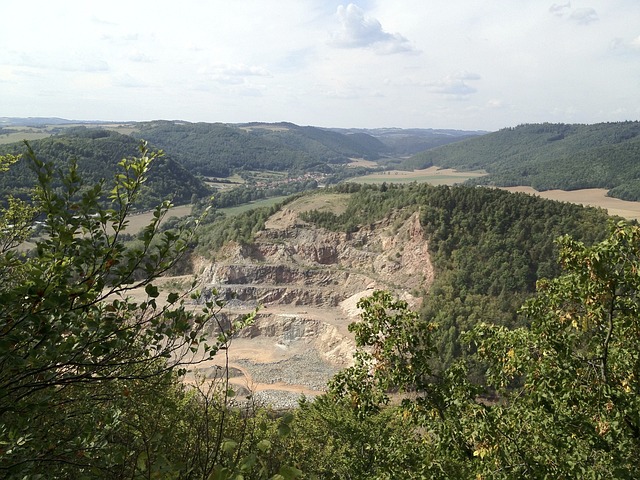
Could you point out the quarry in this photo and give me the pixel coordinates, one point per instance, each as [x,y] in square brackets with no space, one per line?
[305,282]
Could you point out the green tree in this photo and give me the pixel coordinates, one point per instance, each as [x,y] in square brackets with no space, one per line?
[570,384]
[393,364]
[74,349]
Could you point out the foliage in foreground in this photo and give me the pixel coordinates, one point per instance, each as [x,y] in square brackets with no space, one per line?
[89,384]
[568,386]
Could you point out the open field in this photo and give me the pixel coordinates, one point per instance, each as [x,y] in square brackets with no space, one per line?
[21,133]
[272,128]
[24,134]
[140,220]
[361,162]
[267,202]
[323,202]
[432,175]
[593,197]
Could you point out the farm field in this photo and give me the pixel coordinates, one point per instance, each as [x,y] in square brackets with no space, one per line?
[593,197]
[20,135]
[140,220]
[432,175]
[267,202]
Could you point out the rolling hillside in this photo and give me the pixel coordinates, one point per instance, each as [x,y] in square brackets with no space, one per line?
[550,156]
[98,153]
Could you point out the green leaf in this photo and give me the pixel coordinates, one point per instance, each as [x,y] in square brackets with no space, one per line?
[152,290]
[284,429]
[220,473]
[141,461]
[264,445]
[172,297]
[228,446]
[289,473]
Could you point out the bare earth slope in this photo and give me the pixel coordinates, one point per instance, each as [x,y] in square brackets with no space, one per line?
[307,281]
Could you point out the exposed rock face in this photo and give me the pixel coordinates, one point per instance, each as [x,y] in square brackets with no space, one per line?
[389,254]
[307,281]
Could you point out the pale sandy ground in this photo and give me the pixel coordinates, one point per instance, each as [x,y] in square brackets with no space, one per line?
[593,197]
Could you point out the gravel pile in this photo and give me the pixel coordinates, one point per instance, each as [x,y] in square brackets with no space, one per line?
[306,369]
[278,399]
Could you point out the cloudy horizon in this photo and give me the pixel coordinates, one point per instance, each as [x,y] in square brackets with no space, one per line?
[403,63]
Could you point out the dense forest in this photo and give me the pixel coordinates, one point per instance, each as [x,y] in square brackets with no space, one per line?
[97,153]
[550,156]
[218,150]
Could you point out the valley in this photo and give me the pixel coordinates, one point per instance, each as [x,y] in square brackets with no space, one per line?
[479,289]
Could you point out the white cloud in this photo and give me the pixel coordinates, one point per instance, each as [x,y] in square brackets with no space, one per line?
[559,10]
[584,16]
[85,62]
[233,74]
[581,16]
[456,84]
[139,57]
[128,81]
[358,30]
[625,46]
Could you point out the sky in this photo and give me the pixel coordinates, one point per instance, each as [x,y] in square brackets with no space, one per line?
[462,64]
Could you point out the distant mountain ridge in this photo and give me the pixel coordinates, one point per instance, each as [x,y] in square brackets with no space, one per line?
[549,156]
[544,156]
[42,121]
[197,151]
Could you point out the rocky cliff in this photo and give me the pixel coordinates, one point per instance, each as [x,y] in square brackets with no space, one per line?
[307,281]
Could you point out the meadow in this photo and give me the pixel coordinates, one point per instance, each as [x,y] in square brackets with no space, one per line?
[432,175]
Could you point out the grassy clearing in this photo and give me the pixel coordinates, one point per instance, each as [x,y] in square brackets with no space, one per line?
[272,128]
[20,135]
[267,202]
[123,129]
[361,162]
[319,200]
[323,202]
[36,133]
[431,175]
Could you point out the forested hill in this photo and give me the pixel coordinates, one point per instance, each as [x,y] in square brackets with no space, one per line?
[98,153]
[408,141]
[216,149]
[489,247]
[328,145]
[550,156]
